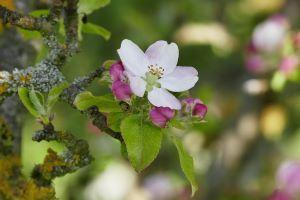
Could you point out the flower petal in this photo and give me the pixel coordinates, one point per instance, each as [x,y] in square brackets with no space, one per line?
[182,79]
[164,55]
[162,98]
[137,84]
[133,58]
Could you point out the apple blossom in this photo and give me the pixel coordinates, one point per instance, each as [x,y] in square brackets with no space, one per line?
[156,72]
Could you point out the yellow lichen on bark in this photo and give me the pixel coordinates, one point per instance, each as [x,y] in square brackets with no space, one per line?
[8,4]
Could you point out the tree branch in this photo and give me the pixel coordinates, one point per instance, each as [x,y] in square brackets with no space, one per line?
[76,156]
[71,26]
[25,21]
[98,119]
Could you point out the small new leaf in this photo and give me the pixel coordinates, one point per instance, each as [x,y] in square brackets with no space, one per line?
[105,103]
[96,29]
[24,97]
[186,163]
[37,99]
[142,139]
[54,94]
[89,6]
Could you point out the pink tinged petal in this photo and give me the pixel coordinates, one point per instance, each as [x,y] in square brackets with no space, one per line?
[191,101]
[288,177]
[160,97]
[181,79]
[279,195]
[161,115]
[137,84]
[164,55]
[289,64]
[116,71]
[121,90]
[200,110]
[133,58]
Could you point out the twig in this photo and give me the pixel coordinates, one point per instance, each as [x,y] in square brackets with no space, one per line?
[76,156]
[71,26]
[25,21]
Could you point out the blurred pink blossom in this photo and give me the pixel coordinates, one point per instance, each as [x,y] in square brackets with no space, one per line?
[255,64]
[270,34]
[287,182]
[289,64]
[279,195]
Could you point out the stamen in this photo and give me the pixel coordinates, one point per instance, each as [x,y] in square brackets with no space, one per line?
[156,70]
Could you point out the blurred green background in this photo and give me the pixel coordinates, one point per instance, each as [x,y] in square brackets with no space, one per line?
[245,138]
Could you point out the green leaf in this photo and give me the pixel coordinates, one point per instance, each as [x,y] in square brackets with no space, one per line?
[30,35]
[37,99]
[105,103]
[114,120]
[142,139]
[38,13]
[96,29]
[24,96]
[186,163]
[89,6]
[278,81]
[54,95]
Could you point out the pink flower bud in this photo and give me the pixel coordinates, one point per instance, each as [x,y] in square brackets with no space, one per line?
[161,115]
[121,90]
[116,71]
[200,110]
[194,107]
[279,195]
[289,64]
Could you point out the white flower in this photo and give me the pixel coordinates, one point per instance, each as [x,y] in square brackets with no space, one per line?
[156,72]
[269,35]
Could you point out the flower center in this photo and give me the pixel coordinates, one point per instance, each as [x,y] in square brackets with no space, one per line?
[156,70]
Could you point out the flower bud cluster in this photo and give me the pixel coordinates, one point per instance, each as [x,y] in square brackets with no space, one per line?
[160,116]
[120,86]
